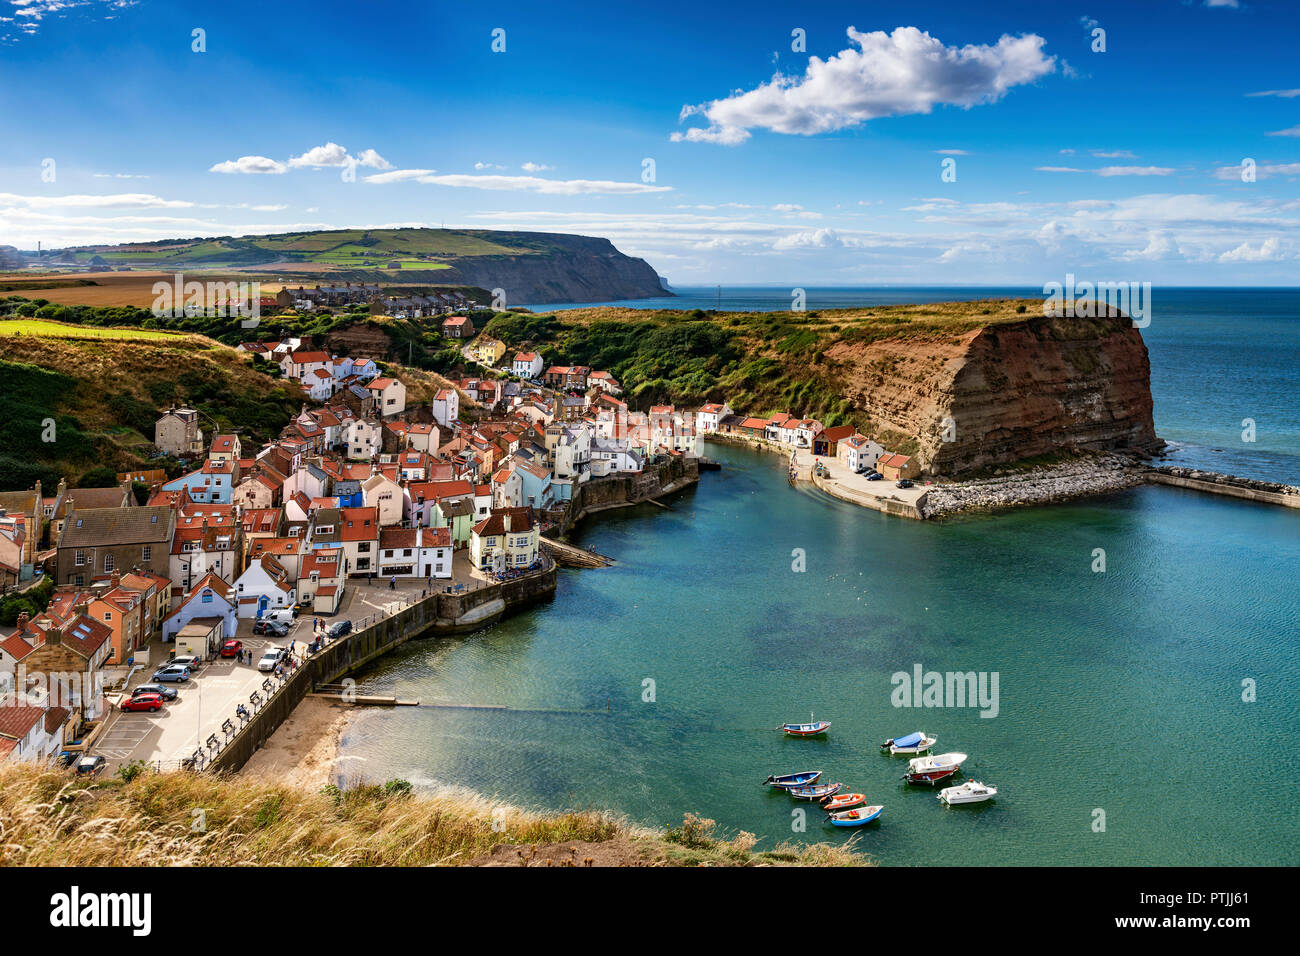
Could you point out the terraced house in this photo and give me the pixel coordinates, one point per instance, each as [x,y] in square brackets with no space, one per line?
[104,540]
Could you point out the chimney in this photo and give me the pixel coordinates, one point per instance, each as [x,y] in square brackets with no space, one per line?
[63,488]
[115,578]
[506,521]
[22,622]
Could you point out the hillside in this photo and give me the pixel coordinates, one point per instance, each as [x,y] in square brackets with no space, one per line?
[104,389]
[534,267]
[50,818]
[1014,384]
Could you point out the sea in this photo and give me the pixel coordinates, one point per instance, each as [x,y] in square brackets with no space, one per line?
[1138,652]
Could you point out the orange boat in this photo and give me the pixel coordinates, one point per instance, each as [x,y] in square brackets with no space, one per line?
[843,802]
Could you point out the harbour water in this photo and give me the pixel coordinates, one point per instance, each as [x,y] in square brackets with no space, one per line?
[653,688]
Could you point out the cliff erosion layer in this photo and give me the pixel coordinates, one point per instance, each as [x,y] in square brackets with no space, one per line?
[1008,391]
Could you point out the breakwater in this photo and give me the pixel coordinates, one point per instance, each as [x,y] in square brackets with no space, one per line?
[438,613]
[623,491]
[1249,489]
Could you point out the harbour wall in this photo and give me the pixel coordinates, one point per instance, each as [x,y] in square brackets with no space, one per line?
[1216,484]
[623,491]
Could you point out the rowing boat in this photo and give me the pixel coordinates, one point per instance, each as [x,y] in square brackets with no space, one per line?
[856,818]
[785,781]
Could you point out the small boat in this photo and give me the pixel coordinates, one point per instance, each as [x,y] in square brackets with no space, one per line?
[843,802]
[856,818]
[931,770]
[815,792]
[970,792]
[787,780]
[813,728]
[917,743]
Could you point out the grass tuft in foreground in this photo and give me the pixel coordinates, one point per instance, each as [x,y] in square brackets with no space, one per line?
[48,818]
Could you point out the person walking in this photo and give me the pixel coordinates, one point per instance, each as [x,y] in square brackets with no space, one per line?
[392,583]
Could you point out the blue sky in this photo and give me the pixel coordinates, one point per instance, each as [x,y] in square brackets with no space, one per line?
[811,167]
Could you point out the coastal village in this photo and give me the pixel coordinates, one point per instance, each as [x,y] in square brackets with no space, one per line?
[362,505]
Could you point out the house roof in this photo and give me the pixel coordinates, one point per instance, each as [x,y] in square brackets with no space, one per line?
[521,520]
[95,527]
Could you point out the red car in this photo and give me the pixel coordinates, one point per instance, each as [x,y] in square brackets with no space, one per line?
[231,648]
[150,702]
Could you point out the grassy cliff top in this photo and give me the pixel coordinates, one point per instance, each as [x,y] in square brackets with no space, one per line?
[50,818]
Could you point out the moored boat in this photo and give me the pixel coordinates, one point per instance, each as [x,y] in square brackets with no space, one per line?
[856,818]
[917,743]
[785,781]
[930,770]
[814,728]
[843,802]
[970,792]
[815,792]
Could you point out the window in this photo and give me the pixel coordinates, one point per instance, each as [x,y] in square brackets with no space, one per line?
[108,616]
[146,553]
[109,561]
[80,558]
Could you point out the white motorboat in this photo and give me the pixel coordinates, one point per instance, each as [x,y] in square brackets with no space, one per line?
[932,769]
[917,743]
[970,792]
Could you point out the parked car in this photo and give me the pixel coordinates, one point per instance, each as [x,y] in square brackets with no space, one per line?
[271,628]
[339,629]
[875,476]
[270,658]
[232,648]
[172,673]
[150,702]
[163,691]
[903,483]
[91,766]
[187,660]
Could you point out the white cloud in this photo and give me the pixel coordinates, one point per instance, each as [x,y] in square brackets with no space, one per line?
[250,165]
[1059,169]
[952,152]
[332,154]
[121,200]
[537,184]
[1233,4]
[818,239]
[889,74]
[1291,131]
[1135,171]
[1112,154]
[1268,251]
[481,165]
[1284,94]
[535,167]
[1262,171]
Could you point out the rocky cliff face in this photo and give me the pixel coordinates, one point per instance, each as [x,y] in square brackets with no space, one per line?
[1007,392]
[574,269]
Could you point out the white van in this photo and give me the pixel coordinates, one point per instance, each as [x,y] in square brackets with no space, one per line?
[282,615]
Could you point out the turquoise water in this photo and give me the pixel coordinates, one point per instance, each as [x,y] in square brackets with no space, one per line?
[1118,691]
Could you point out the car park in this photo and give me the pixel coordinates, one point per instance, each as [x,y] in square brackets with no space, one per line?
[232,648]
[163,691]
[149,702]
[90,766]
[271,657]
[172,673]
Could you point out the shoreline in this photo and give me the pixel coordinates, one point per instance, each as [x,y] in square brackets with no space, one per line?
[303,751]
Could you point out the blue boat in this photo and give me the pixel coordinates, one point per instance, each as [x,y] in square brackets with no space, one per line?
[916,743]
[856,818]
[816,792]
[788,781]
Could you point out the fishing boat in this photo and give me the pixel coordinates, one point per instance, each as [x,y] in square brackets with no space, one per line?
[787,780]
[815,792]
[856,818]
[970,792]
[843,802]
[931,770]
[917,743]
[813,728]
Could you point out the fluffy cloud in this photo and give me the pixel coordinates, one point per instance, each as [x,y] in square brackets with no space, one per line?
[534,167]
[115,200]
[1290,131]
[1270,250]
[888,74]
[332,154]
[250,165]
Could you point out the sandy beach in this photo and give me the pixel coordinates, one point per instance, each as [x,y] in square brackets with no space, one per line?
[303,751]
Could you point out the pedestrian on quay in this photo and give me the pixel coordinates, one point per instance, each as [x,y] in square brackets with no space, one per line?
[392,583]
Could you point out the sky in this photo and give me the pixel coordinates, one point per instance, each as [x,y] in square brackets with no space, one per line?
[850,144]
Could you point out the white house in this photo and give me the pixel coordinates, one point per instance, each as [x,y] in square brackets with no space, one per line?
[859,453]
[507,489]
[264,586]
[319,384]
[415,552]
[446,407]
[362,439]
[210,598]
[707,418]
[528,365]
[389,395]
